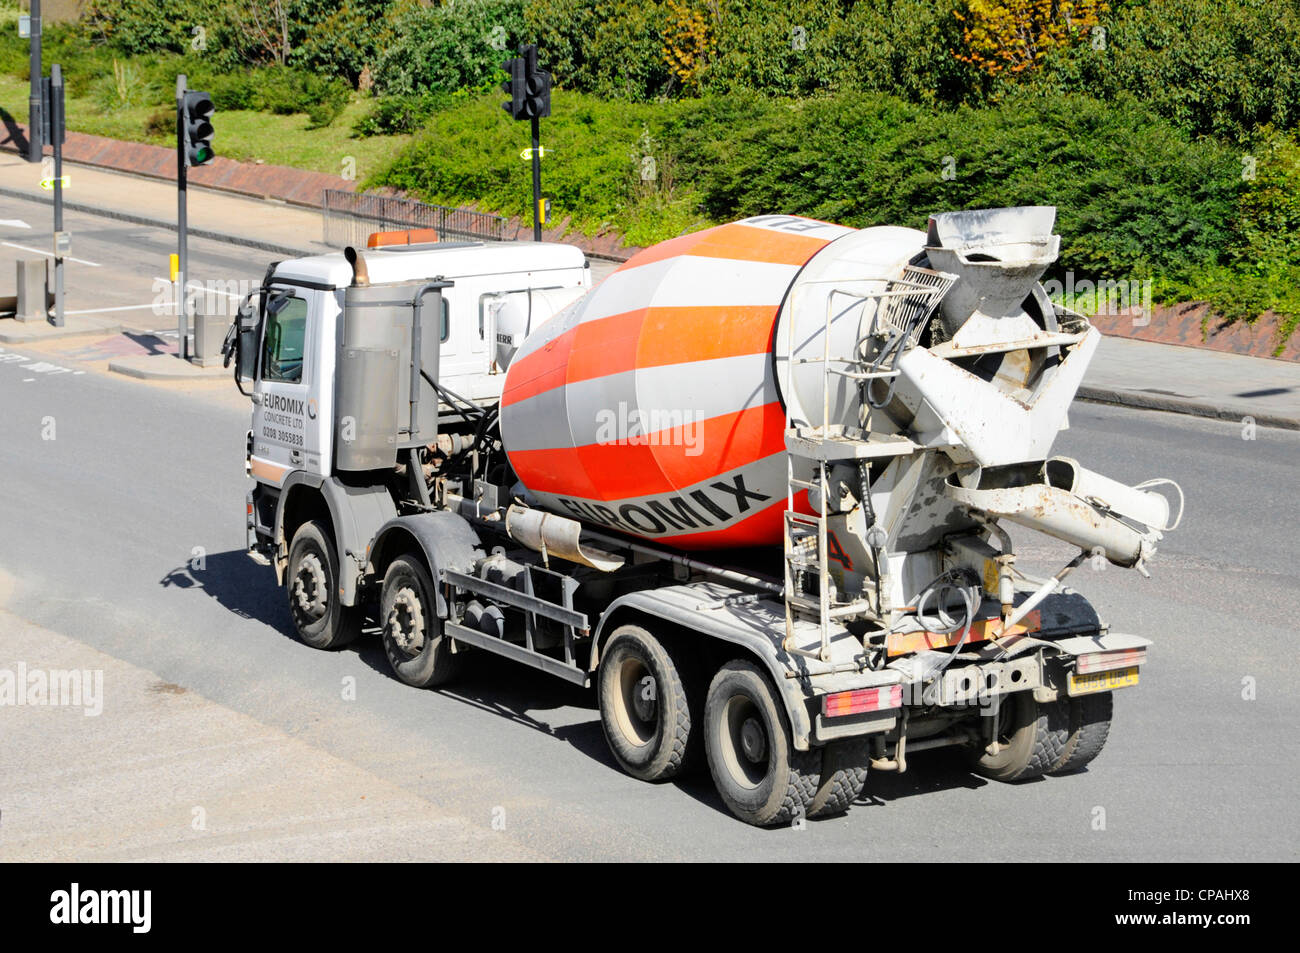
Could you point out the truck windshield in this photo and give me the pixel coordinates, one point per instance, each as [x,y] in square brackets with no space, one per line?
[282,345]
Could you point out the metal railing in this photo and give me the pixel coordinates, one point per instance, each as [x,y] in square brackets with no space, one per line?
[351,218]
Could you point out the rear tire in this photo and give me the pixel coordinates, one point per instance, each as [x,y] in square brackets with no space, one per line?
[644,708]
[844,775]
[760,776]
[1032,735]
[1090,717]
[312,582]
[418,651]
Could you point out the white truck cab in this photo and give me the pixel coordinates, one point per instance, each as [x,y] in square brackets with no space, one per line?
[297,346]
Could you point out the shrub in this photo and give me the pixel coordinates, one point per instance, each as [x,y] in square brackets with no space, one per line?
[1211,67]
[594,154]
[612,48]
[399,115]
[1135,199]
[277,89]
[341,38]
[445,48]
[148,26]
[1133,196]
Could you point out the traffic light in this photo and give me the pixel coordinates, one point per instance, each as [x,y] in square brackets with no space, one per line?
[529,88]
[196,124]
[514,88]
[537,86]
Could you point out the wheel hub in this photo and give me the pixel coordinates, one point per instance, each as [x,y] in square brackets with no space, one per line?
[753,741]
[405,622]
[644,700]
[310,590]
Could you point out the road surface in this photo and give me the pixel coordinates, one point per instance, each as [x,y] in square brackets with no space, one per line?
[121,537]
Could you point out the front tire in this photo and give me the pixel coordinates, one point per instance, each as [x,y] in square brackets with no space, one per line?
[644,708]
[418,651]
[1031,737]
[755,767]
[312,581]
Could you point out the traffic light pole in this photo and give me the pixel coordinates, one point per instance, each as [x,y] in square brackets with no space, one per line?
[182,300]
[537,179]
[35,145]
[56,135]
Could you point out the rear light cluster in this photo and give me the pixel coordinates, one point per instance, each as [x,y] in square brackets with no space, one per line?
[1106,661]
[861,700]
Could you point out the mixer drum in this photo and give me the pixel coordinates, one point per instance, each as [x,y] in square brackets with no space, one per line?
[651,404]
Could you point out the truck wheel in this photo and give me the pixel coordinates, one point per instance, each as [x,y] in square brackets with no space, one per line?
[1032,738]
[1089,727]
[755,766]
[643,705]
[312,582]
[412,632]
[844,775]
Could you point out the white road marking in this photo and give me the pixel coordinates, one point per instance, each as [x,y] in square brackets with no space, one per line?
[50,254]
[39,367]
[125,307]
[14,223]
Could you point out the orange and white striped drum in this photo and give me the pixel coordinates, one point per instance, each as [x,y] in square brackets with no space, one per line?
[651,405]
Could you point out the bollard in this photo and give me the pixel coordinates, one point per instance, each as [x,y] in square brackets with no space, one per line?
[209,333]
[33,290]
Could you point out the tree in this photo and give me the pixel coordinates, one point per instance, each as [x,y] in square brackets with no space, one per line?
[1015,35]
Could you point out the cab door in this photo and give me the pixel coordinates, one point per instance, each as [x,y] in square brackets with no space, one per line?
[284,421]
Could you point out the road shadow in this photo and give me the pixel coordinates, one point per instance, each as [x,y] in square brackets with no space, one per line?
[927,773]
[14,134]
[153,344]
[1266,392]
[238,584]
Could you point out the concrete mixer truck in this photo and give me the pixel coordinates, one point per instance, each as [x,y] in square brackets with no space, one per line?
[753,489]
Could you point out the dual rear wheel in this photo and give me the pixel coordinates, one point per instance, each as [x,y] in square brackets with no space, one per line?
[657,714]
[1037,738]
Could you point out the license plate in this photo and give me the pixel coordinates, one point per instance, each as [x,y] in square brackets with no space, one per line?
[1103,681]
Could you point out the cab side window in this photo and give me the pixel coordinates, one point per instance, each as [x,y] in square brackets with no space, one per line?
[282,344]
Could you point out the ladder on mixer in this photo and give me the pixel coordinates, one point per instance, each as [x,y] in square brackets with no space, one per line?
[902,308]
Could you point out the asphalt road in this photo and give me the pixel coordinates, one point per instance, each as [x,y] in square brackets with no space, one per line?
[101,527]
[114,264]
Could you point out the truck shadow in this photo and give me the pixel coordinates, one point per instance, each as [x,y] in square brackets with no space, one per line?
[238,584]
[926,774]
[564,712]
[518,694]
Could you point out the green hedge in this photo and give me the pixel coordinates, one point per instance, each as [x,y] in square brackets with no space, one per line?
[1135,199]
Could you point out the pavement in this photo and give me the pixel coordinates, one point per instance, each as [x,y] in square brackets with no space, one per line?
[1191,380]
[211,784]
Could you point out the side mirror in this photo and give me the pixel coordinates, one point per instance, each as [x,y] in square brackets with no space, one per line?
[241,341]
